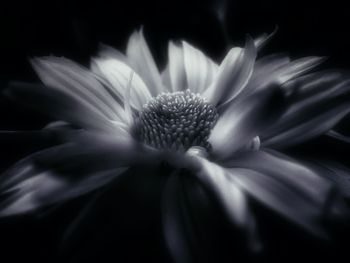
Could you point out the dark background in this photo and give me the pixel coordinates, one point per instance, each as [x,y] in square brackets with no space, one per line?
[74,29]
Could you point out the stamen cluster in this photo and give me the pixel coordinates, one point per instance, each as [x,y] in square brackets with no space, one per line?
[177,121]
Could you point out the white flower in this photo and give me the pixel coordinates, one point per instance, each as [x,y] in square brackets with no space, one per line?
[219,122]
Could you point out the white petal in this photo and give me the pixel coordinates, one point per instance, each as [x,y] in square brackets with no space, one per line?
[117,73]
[46,188]
[77,82]
[215,179]
[230,194]
[176,67]
[281,198]
[67,171]
[287,171]
[177,230]
[62,106]
[337,173]
[244,120]
[313,127]
[263,69]
[286,71]
[233,74]
[200,70]
[317,102]
[165,75]
[142,60]
[262,40]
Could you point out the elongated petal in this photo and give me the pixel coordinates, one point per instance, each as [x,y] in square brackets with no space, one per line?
[244,120]
[77,82]
[46,188]
[337,173]
[297,68]
[278,68]
[200,70]
[176,66]
[67,171]
[262,40]
[284,199]
[142,60]
[61,106]
[308,130]
[230,195]
[117,73]
[233,74]
[317,102]
[288,172]
[176,229]
[263,69]
[165,76]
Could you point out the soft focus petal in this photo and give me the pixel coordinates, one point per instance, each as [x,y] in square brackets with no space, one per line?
[231,196]
[263,69]
[278,68]
[263,39]
[165,76]
[177,229]
[200,70]
[63,107]
[317,102]
[78,83]
[244,120]
[70,170]
[280,197]
[142,61]
[287,171]
[46,188]
[335,172]
[233,74]
[176,67]
[117,73]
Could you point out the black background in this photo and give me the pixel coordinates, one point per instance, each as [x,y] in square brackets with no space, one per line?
[75,28]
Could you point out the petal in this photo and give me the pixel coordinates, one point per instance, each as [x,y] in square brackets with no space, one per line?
[287,171]
[233,74]
[317,102]
[67,171]
[200,70]
[262,40]
[304,131]
[286,71]
[337,173]
[263,69]
[77,82]
[297,68]
[244,120]
[165,76]
[176,67]
[46,188]
[281,198]
[62,106]
[230,195]
[176,228]
[108,52]
[142,60]
[117,73]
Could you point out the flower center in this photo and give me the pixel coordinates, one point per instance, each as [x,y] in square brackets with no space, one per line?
[177,121]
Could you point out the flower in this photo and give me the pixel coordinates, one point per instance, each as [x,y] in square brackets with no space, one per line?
[222,124]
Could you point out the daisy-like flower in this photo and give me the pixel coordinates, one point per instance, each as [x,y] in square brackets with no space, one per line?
[222,124]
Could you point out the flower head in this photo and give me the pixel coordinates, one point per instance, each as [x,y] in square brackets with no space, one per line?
[222,123]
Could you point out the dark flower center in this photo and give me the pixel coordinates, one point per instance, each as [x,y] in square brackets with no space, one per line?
[177,121]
